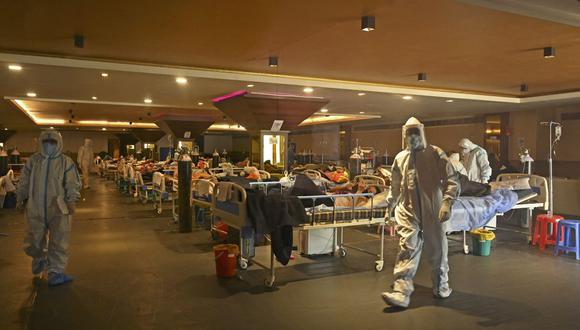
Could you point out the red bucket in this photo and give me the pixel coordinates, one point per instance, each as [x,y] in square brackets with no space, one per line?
[226,259]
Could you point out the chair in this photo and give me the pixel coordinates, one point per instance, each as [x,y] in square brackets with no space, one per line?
[541,236]
[563,237]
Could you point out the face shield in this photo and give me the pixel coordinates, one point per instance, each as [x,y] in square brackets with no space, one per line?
[413,138]
[49,146]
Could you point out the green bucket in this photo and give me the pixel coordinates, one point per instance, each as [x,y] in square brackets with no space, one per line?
[481,242]
[481,248]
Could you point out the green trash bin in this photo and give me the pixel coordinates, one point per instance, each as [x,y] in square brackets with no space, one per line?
[481,241]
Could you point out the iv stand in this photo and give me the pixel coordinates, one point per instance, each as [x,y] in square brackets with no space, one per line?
[556,128]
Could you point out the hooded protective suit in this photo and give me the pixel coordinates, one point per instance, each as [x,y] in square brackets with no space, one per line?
[475,161]
[50,184]
[423,187]
[455,161]
[85,159]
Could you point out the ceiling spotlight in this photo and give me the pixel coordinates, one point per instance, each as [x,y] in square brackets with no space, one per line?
[407,97]
[308,89]
[94,98]
[148,100]
[200,103]
[77,128]
[361,112]
[273,61]
[549,52]
[31,94]
[51,127]
[124,129]
[249,85]
[523,87]
[361,94]
[323,110]
[103,129]
[449,101]
[181,80]
[14,67]
[367,23]
[422,76]
[79,41]
[5,128]
[104,74]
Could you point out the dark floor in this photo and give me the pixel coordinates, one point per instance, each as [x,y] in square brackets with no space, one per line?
[133,271]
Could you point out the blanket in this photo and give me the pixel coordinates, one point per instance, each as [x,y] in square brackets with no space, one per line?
[470,213]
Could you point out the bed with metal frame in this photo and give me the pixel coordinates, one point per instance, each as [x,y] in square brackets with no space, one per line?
[234,213]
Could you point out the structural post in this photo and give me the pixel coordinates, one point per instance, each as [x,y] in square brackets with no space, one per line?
[184,196]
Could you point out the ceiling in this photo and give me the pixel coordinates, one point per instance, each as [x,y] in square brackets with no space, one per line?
[471,54]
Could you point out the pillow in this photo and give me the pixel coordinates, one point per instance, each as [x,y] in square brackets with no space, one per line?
[514,184]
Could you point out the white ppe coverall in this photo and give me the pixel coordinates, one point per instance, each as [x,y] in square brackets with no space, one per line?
[455,161]
[85,159]
[475,161]
[48,180]
[423,184]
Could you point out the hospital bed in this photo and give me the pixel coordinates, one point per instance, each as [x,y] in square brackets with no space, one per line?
[536,199]
[369,179]
[234,213]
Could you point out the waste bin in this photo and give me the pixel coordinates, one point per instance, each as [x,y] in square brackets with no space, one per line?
[481,241]
[226,259]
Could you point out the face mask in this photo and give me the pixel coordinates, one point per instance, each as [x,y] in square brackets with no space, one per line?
[414,141]
[49,148]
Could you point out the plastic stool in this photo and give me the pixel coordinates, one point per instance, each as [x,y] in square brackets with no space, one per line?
[541,235]
[563,237]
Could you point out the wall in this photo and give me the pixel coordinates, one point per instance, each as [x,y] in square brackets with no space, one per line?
[219,142]
[324,141]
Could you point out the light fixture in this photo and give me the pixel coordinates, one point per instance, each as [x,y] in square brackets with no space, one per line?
[323,110]
[407,97]
[148,100]
[94,98]
[77,128]
[104,74]
[31,94]
[361,94]
[200,103]
[523,87]
[273,61]
[5,128]
[549,52]
[308,89]
[79,41]
[449,101]
[103,129]
[51,127]
[181,80]
[421,76]
[14,67]
[250,85]
[361,112]
[367,23]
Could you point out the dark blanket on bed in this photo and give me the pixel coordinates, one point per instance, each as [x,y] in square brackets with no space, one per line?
[474,189]
[276,214]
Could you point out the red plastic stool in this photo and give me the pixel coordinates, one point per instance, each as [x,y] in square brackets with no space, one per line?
[541,235]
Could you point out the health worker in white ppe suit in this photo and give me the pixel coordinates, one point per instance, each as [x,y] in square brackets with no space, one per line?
[475,161]
[85,159]
[423,188]
[49,188]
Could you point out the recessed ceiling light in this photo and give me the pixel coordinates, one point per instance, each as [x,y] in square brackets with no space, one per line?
[407,97]
[104,74]
[273,61]
[14,67]
[449,101]
[51,127]
[323,110]
[103,129]
[200,103]
[361,94]
[367,23]
[181,80]
[250,85]
[124,129]
[31,94]
[308,89]
[361,112]
[5,128]
[549,52]
[148,100]
[94,97]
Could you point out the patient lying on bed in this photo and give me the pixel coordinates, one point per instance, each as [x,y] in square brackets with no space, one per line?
[359,201]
